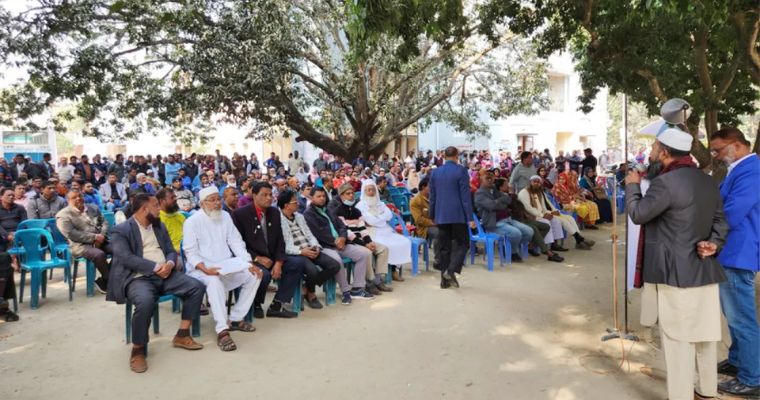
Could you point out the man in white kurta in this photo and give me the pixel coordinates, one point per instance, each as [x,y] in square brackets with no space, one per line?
[216,255]
[537,205]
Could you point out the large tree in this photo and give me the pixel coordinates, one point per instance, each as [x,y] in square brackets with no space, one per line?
[346,76]
[703,51]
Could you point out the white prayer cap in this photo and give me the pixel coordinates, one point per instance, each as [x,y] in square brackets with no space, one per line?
[535,178]
[140,175]
[207,191]
[675,111]
[676,139]
[368,182]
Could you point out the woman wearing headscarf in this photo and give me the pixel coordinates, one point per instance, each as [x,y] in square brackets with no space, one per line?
[568,193]
[412,179]
[376,215]
[544,174]
[302,176]
[588,182]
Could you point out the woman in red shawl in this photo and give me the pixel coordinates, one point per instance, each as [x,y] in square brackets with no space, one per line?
[569,194]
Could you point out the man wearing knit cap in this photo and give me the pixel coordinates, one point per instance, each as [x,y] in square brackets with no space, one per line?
[216,255]
[684,229]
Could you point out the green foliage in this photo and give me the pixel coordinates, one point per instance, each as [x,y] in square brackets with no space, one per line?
[654,50]
[347,76]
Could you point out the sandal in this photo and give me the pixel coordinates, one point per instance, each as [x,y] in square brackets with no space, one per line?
[224,341]
[242,326]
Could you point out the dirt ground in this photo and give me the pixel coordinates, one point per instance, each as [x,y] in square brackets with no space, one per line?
[525,331]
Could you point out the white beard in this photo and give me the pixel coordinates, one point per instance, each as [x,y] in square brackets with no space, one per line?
[214,215]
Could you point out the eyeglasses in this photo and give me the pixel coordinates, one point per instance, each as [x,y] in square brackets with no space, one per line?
[715,152]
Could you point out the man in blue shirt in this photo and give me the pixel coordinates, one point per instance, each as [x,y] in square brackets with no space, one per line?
[91,196]
[741,260]
[171,170]
[451,210]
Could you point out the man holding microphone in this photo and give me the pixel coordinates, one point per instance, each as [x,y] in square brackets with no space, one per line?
[684,227]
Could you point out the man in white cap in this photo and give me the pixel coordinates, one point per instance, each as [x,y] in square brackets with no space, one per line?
[142,185]
[216,255]
[537,205]
[684,228]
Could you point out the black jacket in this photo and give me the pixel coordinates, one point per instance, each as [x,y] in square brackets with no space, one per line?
[248,224]
[320,227]
[128,261]
[337,209]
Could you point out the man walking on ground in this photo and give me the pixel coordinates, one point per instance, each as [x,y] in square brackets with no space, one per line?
[684,227]
[451,210]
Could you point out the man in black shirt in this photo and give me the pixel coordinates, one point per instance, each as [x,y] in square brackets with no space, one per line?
[588,162]
[11,214]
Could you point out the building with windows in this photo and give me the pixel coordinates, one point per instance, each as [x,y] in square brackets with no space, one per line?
[560,127]
[32,144]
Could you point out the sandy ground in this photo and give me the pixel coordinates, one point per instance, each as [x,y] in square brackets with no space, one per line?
[525,331]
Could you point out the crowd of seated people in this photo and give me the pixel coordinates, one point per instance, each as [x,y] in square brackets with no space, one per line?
[202,225]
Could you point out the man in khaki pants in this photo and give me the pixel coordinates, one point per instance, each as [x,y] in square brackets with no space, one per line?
[683,228]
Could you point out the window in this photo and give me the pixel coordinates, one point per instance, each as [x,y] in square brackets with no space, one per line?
[557,93]
[18,137]
[525,141]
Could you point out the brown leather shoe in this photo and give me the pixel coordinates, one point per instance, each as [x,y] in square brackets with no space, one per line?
[137,362]
[396,277]
[186,343]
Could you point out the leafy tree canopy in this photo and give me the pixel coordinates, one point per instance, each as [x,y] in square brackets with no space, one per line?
[347,76]
[703,51]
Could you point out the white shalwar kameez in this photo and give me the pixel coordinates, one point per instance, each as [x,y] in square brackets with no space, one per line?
[218,243]
[376,216]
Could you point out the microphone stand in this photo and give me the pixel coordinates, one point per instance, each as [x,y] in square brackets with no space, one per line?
[614,333]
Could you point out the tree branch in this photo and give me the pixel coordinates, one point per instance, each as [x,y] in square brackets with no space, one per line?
[700,60]
[654,84]
[588,11]
[445,93]
[728,79]
[748,39]
[145,45]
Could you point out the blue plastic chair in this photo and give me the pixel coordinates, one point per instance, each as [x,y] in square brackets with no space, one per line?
[27,224]
[329,288]
[489,240]
[110,217]
[35,262]
[89,274]
[60,245]
[33,224]
[402,203]
[417,243]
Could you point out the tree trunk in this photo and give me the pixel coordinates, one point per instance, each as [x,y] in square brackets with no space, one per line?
[698,149]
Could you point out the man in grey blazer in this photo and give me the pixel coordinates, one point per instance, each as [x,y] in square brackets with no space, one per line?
[144,268]
[85,228]
[684,227]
